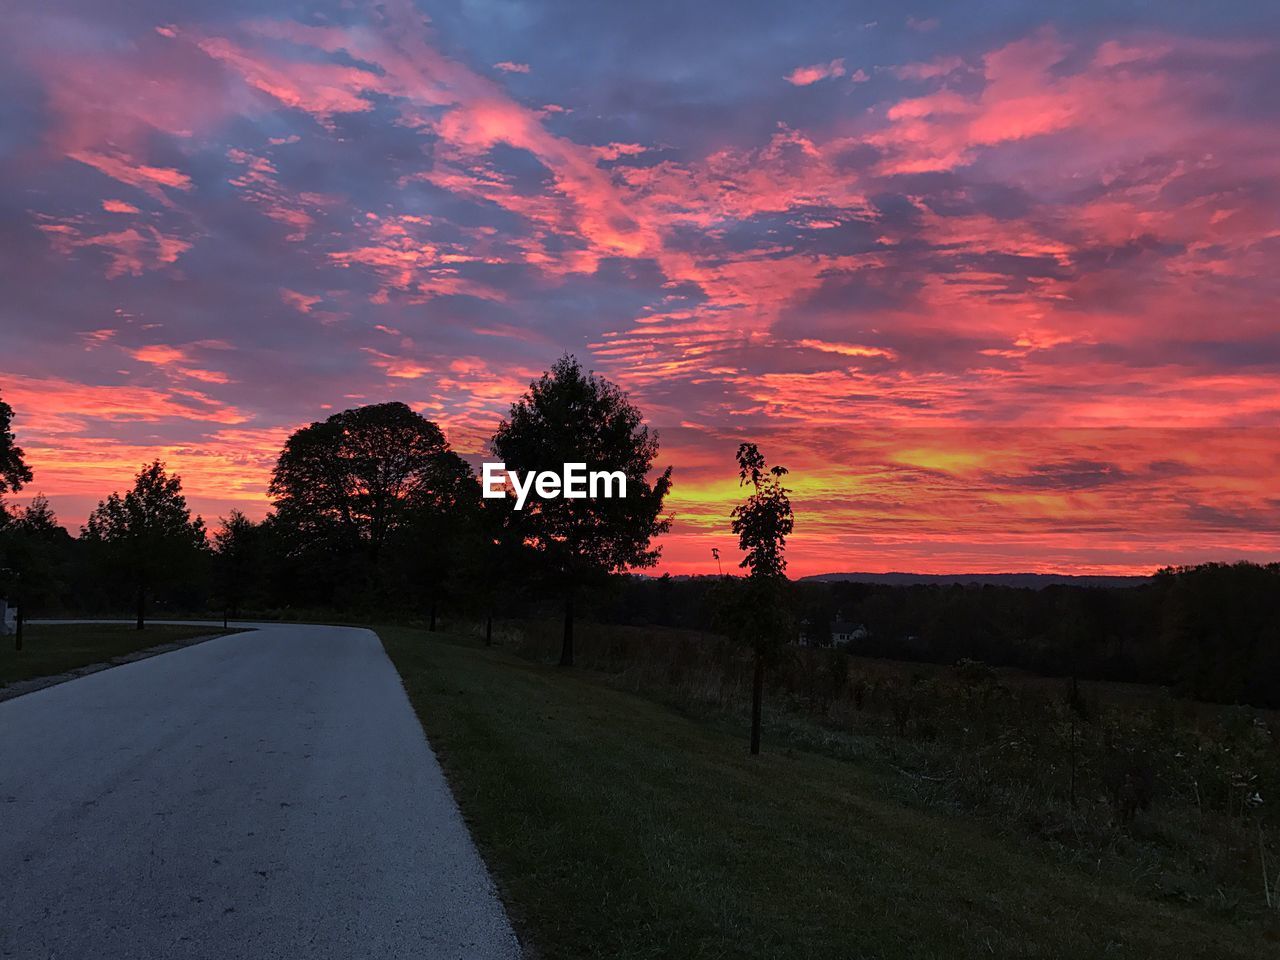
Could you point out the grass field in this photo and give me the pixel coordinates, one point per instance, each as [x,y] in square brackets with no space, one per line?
[50,649]
[619,827]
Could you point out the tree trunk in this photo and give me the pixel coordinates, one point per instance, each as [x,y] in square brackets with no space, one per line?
[488,631]
[17,628]
[1073,709]
[566,648]
[433,615]
[1073,759]
[757,698]
[142,606]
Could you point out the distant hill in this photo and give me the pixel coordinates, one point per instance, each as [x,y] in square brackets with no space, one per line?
[1034,581]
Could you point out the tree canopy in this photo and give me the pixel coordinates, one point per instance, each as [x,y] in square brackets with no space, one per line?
[239,561]
[14,471]
[34,550]
[348,486]
[360,473]
[572,416]
[148,534]
[764,520]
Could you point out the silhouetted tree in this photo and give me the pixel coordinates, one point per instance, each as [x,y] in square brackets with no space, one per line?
[491,572]
[39,520]
[35,550]
[568,416]
[345,485]
[14,471]
[439,523]
[148,535]
[763,521]
[239,561]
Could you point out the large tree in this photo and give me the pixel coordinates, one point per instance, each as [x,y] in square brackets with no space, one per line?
[148,535]
[757,615]
[572,416]
[345,486]
[14,471]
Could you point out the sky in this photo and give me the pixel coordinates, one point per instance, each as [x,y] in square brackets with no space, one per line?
[997,281]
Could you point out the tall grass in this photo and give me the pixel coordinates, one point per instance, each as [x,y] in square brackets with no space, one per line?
[1180,796]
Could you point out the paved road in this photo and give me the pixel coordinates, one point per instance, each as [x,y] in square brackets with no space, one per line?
[263,795]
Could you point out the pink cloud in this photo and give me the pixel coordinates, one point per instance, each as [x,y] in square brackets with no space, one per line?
[179,362]
[123,168]
[259,185]
[77,402]
[301,302]
[804,76]
[131,251]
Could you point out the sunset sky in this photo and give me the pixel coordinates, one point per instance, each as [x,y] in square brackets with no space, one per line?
[1003,291]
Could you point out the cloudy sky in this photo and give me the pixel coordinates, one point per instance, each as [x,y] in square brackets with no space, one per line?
[1001,290]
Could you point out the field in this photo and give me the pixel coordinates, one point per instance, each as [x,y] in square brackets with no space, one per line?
[50,649]
[628,825]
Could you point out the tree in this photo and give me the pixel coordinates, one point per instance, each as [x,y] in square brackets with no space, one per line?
[34,551]
[762,523]
[14,471]
[433,541]
[491,568]
[345,485]
[39,520]
[36,548]
[238,560]
[148,534]
[568,416]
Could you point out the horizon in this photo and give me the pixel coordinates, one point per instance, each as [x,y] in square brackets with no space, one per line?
[998,289]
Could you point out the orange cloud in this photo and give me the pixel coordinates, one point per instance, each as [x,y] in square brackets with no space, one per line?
[72,404]
[179,362]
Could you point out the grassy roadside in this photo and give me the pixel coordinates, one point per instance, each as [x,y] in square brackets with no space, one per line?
[618,827]
[50,649]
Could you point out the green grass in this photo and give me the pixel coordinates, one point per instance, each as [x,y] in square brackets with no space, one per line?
[618,827]
[49,649]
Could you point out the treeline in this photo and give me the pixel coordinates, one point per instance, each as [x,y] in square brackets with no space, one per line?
[1211,632]
[373,515]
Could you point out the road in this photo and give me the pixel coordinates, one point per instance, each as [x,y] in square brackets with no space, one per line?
[268,794]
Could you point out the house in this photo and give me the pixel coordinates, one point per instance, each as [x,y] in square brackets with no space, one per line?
[839,633]
[844,633]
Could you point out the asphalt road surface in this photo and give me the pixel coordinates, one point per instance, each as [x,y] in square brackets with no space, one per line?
[264,795]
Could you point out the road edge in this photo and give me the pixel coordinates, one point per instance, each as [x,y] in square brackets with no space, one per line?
[21,688]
